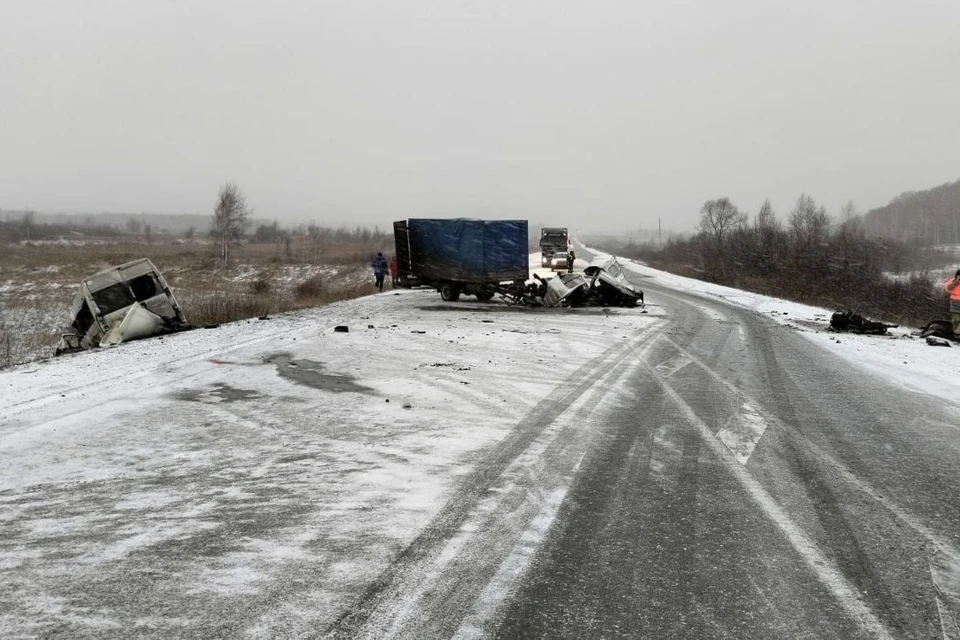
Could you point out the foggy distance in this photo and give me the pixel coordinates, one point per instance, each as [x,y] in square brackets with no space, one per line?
[600,116]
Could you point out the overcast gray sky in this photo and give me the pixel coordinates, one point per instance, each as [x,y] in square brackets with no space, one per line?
[600,115]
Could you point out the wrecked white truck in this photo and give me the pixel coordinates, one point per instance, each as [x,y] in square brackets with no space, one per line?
[607,283]
[601,284]
[123,303]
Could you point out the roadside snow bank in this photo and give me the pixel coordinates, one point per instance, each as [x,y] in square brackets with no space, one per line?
[902,356]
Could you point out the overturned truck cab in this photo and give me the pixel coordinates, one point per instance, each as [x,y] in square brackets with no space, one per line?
[123,303]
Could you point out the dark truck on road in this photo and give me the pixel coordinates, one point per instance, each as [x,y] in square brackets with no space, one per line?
[463,255]
[553,247]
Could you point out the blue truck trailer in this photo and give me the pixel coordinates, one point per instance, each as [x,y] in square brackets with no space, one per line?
[463,255]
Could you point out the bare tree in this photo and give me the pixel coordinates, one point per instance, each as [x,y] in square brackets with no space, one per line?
[848,211]
[230,217]
[766,218]
[28,222]
[717,219]
[850,219]
[809,223]
[769,238]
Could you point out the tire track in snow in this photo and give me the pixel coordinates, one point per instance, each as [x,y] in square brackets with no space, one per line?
[445,525]
[477,568]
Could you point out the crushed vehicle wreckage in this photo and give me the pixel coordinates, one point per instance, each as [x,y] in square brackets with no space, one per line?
[127,302]
[848,321]
[601,284]
[939,333]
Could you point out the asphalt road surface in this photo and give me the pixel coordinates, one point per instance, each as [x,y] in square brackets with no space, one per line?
[752,486]
[734,481]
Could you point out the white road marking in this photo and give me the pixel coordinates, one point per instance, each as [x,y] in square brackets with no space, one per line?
[948,626]
[672,365]
[743,432]
[942,545]
[831,577]
[945,575]
[945,548]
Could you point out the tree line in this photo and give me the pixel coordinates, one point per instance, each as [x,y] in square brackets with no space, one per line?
[230,224]
[810,258]
[26,228]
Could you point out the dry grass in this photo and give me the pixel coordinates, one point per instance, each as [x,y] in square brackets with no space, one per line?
[20,336]
[218,307]
[37,283]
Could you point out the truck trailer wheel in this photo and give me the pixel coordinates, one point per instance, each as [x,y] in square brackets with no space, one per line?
[484,296]
[449,292]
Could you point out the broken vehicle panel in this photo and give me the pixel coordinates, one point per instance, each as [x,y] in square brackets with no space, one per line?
[609,286]
[563,288]
[123,303]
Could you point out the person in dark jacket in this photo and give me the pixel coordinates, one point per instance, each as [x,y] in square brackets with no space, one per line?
[571,256]
[380,270]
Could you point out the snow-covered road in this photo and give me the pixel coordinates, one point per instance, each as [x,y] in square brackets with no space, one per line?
[281,478]
[256,477]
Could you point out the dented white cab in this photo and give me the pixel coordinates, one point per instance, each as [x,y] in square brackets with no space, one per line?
[123,303]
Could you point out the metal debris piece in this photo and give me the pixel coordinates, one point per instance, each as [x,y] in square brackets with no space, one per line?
[848,321]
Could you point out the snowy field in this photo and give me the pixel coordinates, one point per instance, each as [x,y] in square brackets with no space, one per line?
[35,302]
[253,479]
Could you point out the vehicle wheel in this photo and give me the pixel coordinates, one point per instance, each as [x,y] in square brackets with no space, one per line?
[449,292]
[483,296]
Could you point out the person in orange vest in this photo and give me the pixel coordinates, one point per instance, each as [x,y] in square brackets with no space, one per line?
[953,288]
[394,272]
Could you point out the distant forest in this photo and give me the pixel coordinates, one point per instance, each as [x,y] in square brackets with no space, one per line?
[889,262]
[930,217]
[30,226]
